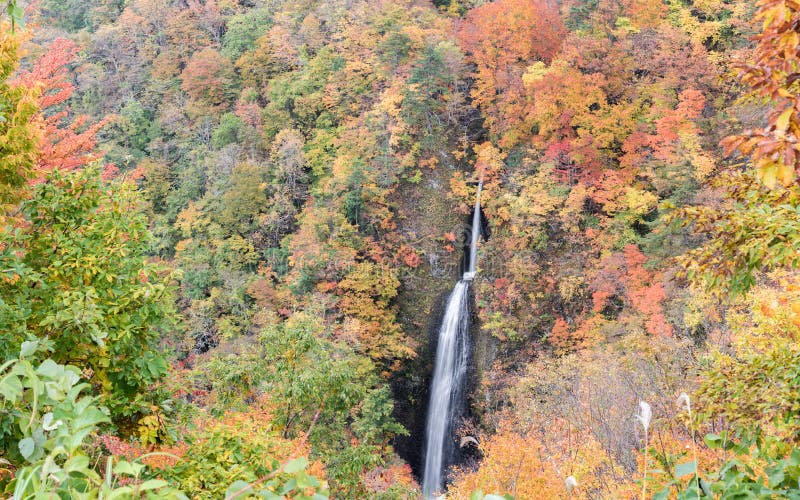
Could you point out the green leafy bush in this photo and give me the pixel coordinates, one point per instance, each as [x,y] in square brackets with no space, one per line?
[759,468]
[242,456]
[45,420]
[75,277]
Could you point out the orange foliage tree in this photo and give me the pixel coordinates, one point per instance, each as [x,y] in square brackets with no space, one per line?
[66,144]
[369,320]
[207,78]
[518,462]
[774,74]
[503,37]
[623,275]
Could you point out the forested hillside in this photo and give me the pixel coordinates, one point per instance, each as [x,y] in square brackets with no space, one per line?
[229,228]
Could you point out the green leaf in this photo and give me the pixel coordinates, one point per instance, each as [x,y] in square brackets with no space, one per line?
[76,463]
[306,481]
[476,495]
[714,441]
[17,15]
[236,487]
[128,468]
[685,468]
[123,492]
[26,447]
[794,458]
[153,484]
[10,387]
[296,465]
[776,477]
[89,418]
[28,347]
[290,486]
[661,495]
[49,368]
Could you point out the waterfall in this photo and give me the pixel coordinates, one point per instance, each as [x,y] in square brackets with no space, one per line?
[452,354]
[476,232]
[451,365]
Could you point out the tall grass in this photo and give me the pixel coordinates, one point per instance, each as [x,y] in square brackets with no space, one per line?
[686,404]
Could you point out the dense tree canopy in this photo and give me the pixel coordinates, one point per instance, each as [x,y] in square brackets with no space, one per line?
[227,230]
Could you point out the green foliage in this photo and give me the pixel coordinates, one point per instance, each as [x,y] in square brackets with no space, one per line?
[16,14]
[242,30]
[300,97]
[45,423]
[353,203]
[314,380]
[71,15]
[228,131]
[737,479]
[136,128]
[375,422]
[394,48]
[242,456]
[757,389]
[307,376]
[157,184]
[754,230]
[315,386]
[430,91]
[42,408]
[244,200]
[579,15]
[760,468]
[75,277]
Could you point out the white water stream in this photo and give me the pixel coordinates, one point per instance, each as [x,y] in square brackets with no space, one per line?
[452,354]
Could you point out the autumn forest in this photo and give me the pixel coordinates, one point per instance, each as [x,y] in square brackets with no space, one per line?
[399,249]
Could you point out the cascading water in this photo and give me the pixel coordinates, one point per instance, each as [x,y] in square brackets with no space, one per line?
[452,355]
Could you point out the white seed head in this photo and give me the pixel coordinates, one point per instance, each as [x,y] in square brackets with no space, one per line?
[684,402]
[571,483]
[645,415]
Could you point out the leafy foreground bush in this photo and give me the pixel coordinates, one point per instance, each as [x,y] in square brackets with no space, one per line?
[48,421]
[73,272]
[242,455]
[760,469]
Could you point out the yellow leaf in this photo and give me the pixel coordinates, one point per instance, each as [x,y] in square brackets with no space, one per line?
[768,174]
[786,174]
[782,124]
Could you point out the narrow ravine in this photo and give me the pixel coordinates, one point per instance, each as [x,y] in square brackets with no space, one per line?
[452,355]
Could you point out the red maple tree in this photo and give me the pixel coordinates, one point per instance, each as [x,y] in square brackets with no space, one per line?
[68,142]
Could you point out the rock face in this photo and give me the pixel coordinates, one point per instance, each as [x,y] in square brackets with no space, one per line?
[447,395]
[426,213]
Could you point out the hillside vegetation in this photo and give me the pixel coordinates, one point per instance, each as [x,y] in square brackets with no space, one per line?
[227,229]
